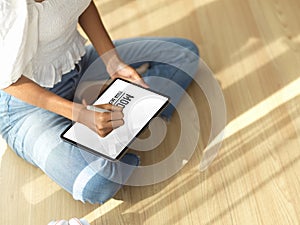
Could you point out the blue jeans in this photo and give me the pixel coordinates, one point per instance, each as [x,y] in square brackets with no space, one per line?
[34,133]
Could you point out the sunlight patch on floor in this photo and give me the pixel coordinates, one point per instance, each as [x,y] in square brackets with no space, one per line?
[260,110]
[253,62]
[152,13]
[102,210]
[35,192]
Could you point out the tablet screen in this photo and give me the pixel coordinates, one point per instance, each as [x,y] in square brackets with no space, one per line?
[140,105]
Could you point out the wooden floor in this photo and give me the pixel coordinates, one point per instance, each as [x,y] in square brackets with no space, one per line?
[253,48]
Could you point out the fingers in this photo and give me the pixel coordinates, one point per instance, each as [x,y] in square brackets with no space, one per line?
[130,74]
[137,80]
[110,116]
[109,126]
[110,107]
[84,102]
[141,82]
[107,121]
[104,131]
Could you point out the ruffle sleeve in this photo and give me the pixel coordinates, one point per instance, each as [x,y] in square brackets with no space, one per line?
[18,39]
[48,71]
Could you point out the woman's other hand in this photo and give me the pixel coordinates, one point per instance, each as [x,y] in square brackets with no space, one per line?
[117,69]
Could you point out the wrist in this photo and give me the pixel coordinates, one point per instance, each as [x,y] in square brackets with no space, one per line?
[114,64]
[77,111]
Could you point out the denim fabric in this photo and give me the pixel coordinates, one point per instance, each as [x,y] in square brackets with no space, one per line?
[34,133]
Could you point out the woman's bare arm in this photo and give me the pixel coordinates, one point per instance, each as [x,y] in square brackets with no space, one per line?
[28,91]
[91,23]
[102,123]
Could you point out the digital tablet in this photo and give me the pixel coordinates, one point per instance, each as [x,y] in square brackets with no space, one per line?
[139,104]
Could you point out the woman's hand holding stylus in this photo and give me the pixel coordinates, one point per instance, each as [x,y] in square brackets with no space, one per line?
[102,119]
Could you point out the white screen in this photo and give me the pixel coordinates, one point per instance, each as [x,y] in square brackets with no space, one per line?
[139,106]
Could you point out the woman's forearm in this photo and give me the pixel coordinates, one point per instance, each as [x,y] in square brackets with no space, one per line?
[92,25]
[29,92]
[100,122]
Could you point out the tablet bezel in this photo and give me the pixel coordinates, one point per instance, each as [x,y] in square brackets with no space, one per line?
[125,149]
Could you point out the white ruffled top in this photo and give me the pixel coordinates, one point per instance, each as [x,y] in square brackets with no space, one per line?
[39,40]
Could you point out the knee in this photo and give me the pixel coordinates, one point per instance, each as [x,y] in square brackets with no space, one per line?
[192,47]
[189,56]
[188,44]
[99,188]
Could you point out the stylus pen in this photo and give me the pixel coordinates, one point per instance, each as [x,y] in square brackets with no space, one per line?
[96,109]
